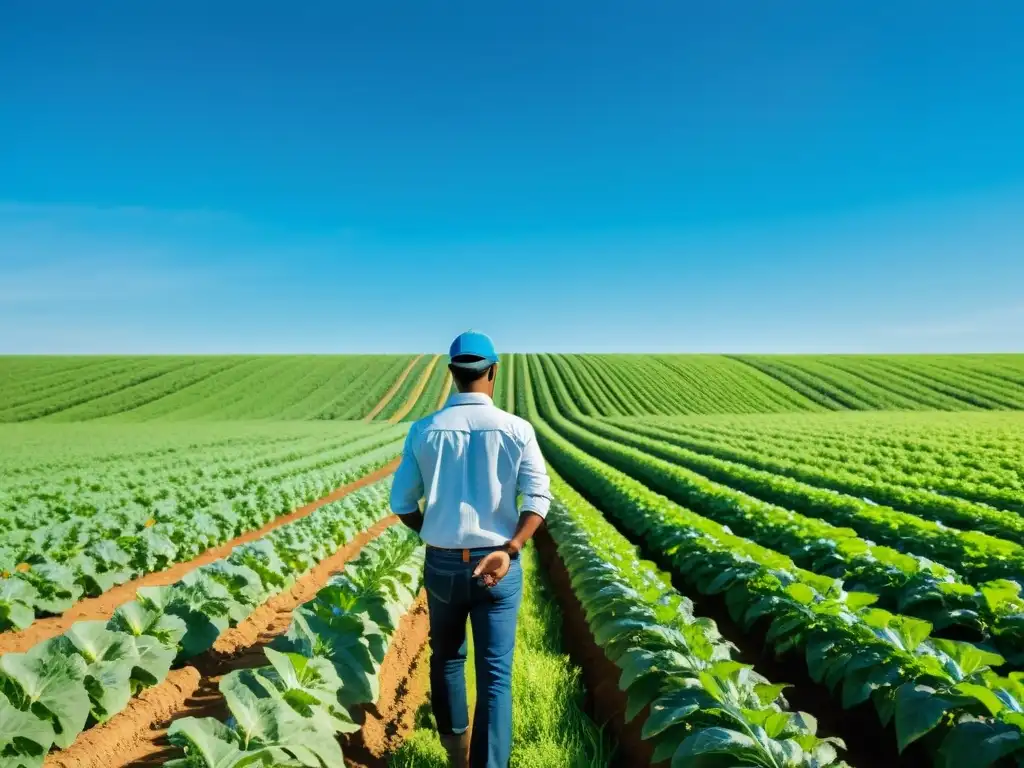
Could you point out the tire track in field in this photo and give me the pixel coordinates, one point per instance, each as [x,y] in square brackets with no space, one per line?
[103,606]
[446,389]
[137,735]
[394,388]
[510,384]
[417,392]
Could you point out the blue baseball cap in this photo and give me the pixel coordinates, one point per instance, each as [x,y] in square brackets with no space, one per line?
[472,351]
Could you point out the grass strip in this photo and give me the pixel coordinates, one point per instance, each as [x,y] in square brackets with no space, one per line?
[549,727]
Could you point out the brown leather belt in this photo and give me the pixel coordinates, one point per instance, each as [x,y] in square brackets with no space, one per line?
[465,552]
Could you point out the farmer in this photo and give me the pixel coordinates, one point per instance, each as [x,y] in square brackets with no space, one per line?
[469,461]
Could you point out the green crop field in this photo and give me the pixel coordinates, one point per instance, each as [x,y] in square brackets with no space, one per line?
[752,560]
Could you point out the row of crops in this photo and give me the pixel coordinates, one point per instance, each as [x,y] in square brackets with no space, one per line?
[787,589]
[74,698]
[67,684]
[971,463]
[646,385]
[84,515]
[80,532]
[901,382]
[901,626]
[215,388]
[290,710]
[407,387]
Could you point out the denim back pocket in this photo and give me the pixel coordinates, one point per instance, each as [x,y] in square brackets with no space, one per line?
[510,586]
[439,583]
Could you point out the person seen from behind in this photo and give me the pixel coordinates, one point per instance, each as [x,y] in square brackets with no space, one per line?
[468,462]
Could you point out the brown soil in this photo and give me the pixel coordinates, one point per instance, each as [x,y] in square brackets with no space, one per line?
[103,607]
[604,702]
[107,744]
[272,618]
[137,736]
[387,723]
[410,403]
[391,392]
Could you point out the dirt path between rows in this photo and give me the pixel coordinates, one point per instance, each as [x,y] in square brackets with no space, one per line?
[137,735]
[446,389]
[403,689]
[103,607]
[391,392]
[417,392]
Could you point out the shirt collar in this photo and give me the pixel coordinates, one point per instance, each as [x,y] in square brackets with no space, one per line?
[469,398]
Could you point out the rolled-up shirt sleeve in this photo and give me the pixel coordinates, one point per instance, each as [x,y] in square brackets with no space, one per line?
[533,484]
[407,488]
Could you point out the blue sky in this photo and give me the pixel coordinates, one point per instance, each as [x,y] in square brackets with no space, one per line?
[333,177]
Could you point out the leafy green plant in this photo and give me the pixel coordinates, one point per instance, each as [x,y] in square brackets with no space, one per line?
[872,654]
[96,537]
[89,673]
[290,712]
[703,705]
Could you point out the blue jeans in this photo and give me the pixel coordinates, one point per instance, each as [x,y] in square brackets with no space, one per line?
[452,596]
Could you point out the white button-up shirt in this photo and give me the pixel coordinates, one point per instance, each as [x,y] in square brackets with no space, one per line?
[469,461]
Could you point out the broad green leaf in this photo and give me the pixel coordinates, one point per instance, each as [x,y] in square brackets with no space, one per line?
[207,740]
[95,642]
[787,752]
[714,741]
[22,733]
[202,629]
[769,693]
[857,600]
[918,710]
[309,686]
[978,743]
[801,593]
[912,631]
[635,663]
[667,742]
[55,585]
[999,593]
[986,696]
[52,680]
[154,660]
[341,641]
[262,721]
[110,656]
[968,657]
[272,723]
[641,693]
[674,709]
[17,601]
[15,615]
[137,619]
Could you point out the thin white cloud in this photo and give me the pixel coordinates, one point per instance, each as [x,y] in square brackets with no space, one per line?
[79,253]
[98,281]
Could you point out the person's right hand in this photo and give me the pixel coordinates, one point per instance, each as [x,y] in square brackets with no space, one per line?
[493,567]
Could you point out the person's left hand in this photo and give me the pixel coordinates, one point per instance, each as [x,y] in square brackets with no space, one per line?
[493,567]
